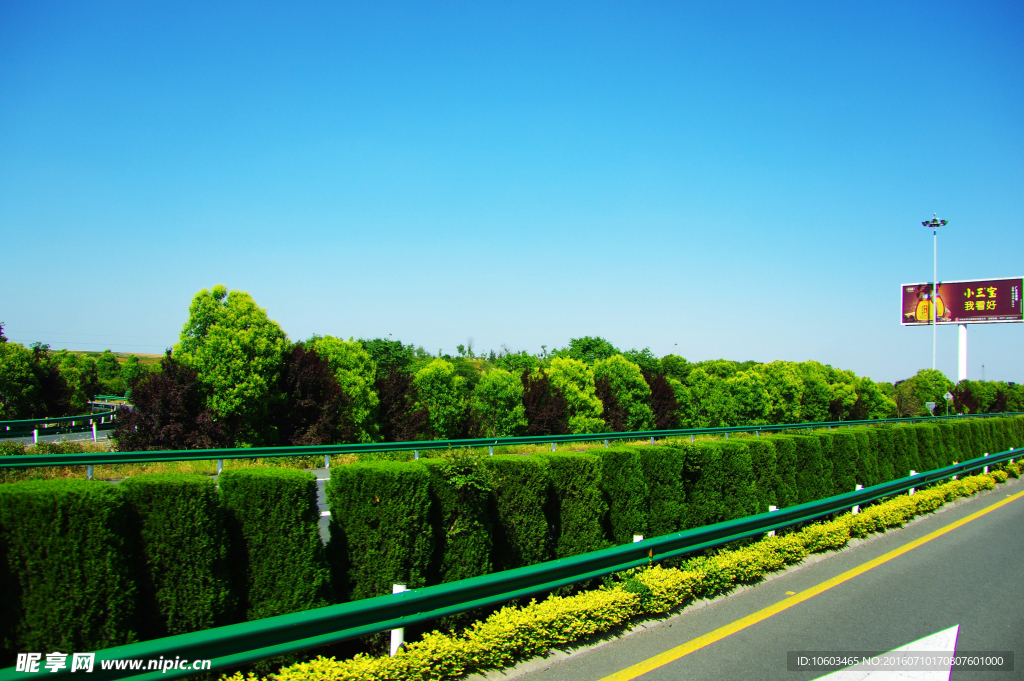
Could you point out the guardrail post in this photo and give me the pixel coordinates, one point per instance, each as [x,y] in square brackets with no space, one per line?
[416,455]
[490,450]
[912,474]
[327,460]
[220,465]
[757,433]
[856,509]
[986,467]
[955,463]
[552,446]
[691,438]
[94,431]
[88,472]
[606,446]
[35,436]
[397,635]
[772,509]
[652,440]
[727,436]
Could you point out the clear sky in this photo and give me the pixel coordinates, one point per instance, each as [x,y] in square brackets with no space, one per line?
[737,180]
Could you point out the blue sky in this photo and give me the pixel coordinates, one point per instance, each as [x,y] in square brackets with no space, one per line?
[743,181]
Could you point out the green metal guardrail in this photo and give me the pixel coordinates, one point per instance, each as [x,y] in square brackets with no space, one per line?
[238,644]
[327,450]
[57,425]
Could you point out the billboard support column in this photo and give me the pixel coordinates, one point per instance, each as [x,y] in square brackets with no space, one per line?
[961,373]
[934,223]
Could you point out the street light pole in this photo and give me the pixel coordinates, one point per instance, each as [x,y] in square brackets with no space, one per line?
[935,223]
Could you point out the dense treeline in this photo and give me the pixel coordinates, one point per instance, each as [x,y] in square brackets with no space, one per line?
[36,382]
[235,379]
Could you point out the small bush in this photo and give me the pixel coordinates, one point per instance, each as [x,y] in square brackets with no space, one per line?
[184,582]
[764,464]
[279,556]
[811,483]
[576,505]
[460,490]
[927,446]
[380,528]
[886,454]
[845,469]
[65,567]
[625,493]
[867,458]
[785,456]
[518,498]
[8,448]
[663,471]
[718,482]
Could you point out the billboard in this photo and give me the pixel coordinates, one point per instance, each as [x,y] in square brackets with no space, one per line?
[976,301]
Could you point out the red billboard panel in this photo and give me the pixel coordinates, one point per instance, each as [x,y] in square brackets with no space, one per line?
[964,302]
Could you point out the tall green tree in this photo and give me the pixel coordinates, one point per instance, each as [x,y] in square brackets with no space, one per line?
[237,351]
[710,403]
[588,349]
[497,404]
[623,384]
[19,386]
[575,381]
[356,373]
[750,397]
[79,373]
[443,392]
[108,368]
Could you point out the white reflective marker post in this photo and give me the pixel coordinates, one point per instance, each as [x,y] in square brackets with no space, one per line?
[94,431]
[397,635]
[772,509]
[912,474]
[986,467]
[856,509]
[637,538]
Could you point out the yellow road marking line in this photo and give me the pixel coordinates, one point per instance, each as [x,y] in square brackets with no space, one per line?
[673,654]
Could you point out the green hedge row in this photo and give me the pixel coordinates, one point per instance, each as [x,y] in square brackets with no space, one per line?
[533,508]
[86,565]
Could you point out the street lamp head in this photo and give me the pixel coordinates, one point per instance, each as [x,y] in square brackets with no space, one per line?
[934,223]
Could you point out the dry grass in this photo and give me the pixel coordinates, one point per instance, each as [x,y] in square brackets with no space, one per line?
[209,466]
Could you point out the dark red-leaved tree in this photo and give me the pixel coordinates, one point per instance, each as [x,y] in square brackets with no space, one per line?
[314,409]
[54,395]
[168,412]
[663,401]
[547,412]
[399,419]
[612,412]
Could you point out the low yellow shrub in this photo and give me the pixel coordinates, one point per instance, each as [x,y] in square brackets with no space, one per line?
[518,632]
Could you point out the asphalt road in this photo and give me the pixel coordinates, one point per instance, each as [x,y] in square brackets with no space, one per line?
[101,435]
[971,576]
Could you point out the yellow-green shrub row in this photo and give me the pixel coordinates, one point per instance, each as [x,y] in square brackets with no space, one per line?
[517,632]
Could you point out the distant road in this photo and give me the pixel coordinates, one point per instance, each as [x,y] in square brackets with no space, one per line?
[969,576]
[101,435]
